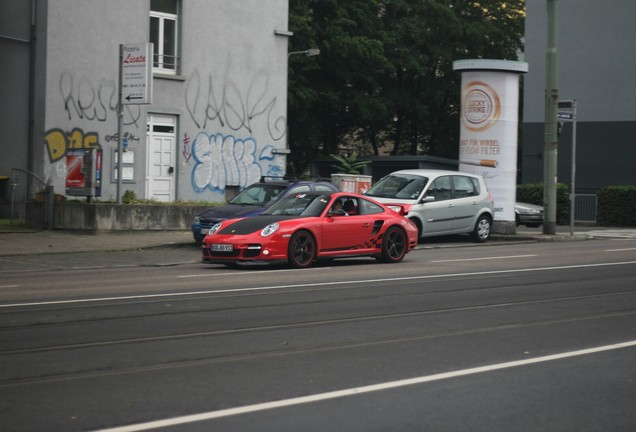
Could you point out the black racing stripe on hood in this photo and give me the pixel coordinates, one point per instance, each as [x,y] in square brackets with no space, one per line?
[252,224]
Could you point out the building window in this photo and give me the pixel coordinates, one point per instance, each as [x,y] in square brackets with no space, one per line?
[164,19]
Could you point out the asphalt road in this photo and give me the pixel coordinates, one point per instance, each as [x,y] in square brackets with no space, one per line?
[530,336]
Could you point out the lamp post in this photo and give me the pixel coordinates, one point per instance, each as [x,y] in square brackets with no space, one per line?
[308,52]
[551,140]
[311,52]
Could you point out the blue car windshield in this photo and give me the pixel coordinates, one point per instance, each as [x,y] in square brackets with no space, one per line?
[259,195]
[301,204]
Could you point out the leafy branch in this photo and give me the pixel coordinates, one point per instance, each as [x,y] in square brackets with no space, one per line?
[349,164]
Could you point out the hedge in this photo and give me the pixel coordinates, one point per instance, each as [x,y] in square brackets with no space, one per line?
[616,206]
[532,193]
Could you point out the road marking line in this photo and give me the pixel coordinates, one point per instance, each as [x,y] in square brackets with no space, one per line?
[251,272]
[312,284]
[9,286]
[485,258]
[620,250]
[211,415]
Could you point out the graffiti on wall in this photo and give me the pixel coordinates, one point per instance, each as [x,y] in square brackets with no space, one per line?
[222,161]
[229,107]
[186,152]
[94,102]
[58,142]
[131,137]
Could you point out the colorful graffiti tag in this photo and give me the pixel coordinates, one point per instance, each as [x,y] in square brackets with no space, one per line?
[58,142]
[222,161]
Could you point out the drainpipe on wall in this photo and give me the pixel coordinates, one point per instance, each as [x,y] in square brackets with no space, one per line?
[31,120]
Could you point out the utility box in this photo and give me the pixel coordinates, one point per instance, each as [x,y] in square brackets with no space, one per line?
[84,172]
[354,183]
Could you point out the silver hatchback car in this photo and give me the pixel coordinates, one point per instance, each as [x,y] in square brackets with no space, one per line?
[442,202]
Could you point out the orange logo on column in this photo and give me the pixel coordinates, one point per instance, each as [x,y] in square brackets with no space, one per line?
[480,106]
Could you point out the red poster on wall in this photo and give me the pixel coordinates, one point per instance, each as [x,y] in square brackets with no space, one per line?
[75,171]
[84,172]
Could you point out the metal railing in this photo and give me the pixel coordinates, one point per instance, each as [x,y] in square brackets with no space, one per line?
[585,208]
[165,63]
[35,195]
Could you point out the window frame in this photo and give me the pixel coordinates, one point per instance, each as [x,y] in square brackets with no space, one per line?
[159,51]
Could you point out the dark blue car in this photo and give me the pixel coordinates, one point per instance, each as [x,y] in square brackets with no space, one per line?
[252,201]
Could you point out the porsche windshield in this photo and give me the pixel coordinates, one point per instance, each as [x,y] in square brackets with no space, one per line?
[302,204]
[403,186]
[258,194]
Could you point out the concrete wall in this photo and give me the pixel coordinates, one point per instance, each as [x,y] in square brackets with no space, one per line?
[596,67]
[113,217]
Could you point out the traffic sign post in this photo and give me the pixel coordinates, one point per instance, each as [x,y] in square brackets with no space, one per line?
[135,88]
[566,112]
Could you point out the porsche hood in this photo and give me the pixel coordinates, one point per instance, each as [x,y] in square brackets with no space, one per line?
[253,224]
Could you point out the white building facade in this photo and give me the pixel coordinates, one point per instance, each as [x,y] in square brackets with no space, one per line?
[217,120]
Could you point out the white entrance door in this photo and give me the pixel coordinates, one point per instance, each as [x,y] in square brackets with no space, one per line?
[161,158]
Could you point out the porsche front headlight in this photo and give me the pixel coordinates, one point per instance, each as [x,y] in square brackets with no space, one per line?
[269,230]
[215,228]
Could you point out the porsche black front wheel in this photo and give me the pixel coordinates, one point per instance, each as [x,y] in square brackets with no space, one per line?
[394,245]
[302,249]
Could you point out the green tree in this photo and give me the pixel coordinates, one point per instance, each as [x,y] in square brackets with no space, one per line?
[384,77]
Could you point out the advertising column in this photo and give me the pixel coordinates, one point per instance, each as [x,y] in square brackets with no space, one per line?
[488,130]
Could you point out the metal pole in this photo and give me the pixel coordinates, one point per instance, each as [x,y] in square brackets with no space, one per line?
[50,195]
[573,175]
[551,138]
[120,117]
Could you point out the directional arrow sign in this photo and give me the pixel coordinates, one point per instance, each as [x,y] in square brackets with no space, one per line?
[136,73]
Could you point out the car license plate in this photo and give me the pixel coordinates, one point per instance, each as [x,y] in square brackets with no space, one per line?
[222,247]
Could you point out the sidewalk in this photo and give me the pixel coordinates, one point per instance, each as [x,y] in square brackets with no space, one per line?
[29,242]
[26,242]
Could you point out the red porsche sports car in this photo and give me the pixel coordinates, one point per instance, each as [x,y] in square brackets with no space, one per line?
[306,227]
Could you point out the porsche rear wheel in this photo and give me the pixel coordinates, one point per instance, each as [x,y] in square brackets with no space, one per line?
[394,245]
[302,249]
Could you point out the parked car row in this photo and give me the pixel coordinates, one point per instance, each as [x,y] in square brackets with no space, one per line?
[299,222]
[530,215]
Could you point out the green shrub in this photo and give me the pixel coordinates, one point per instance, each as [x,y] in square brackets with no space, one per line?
[128,197]
[617,206]
[532,193]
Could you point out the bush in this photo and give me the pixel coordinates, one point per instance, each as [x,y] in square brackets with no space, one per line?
[129,197]
[617,206]
[532,193]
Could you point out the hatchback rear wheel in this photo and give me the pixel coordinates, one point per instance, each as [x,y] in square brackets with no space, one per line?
[481,233]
